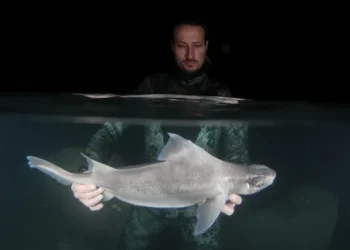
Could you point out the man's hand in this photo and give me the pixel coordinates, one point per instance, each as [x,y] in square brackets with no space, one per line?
[89,195]
[229,207]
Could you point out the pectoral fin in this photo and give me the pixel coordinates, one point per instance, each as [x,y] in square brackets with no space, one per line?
[208,212]
[107,195]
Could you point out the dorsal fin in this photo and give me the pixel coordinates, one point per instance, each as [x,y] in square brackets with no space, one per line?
[179,149]
[95,166]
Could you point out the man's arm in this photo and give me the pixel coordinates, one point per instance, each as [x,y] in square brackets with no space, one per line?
[100,147]
[208,139]
[223,90]
[235,139]
[101,144]
[145,87]
[151,83]
[235,135]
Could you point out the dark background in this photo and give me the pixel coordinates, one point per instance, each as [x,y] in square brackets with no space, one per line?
[271,62]
[114,58]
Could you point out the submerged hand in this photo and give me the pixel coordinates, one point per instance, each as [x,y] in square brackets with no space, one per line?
[229,207]
[89,195]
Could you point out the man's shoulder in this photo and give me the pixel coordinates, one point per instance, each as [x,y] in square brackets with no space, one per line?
[223,90]
[221,87]
[157,77]
[149,83]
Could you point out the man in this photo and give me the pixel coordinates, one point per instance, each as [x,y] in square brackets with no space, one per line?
[188,77]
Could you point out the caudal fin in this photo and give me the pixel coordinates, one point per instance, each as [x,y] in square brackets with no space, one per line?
[50,169]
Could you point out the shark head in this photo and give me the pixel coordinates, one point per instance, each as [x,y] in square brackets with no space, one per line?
[259,178]
[252,179]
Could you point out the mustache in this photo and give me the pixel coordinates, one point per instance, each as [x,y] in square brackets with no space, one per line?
[189,61]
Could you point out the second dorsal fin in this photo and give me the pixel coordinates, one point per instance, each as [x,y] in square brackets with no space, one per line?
[95,166]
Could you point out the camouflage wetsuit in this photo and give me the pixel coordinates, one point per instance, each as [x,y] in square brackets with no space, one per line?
[147,223]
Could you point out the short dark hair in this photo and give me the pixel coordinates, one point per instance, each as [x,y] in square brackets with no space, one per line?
[189,21]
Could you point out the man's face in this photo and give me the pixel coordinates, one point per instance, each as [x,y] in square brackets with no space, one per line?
[189,47]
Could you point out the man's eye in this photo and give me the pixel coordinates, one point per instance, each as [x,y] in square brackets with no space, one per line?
[260,185]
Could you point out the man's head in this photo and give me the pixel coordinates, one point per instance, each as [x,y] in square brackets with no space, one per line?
[189,44]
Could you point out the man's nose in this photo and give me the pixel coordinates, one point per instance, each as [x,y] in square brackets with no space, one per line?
[190,54]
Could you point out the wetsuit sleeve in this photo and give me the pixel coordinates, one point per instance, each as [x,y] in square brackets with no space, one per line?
[101,145]
[235,136]
[208,138]
[145,87]
[154,140]
[103,141]
[235,142]
[224,91]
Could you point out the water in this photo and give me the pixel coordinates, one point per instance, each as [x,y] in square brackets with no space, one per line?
[306,208]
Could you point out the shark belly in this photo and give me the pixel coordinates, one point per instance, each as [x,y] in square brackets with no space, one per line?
[176,201]
[164,196]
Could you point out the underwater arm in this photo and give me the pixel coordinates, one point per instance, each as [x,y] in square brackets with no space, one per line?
[154,140]
[208,138]
[235,139]
[101,145]
[100,149]
[234,135]
[145,87]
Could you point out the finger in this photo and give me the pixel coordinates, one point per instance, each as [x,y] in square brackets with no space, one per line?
[227,210]
[88,195]
[82,188]
[97,207]
[230,204]
[93,201]
[235,199]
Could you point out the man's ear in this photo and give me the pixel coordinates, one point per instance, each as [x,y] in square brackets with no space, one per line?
[206,46]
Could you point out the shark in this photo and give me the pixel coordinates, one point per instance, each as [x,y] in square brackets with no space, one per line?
[183,175]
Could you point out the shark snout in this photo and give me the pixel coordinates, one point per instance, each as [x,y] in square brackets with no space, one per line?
[272,176]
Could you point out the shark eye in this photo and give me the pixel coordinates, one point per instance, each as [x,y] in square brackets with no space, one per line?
[259,185]
[257,182]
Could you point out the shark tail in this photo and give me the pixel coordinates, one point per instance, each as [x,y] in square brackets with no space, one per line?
[62,176]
